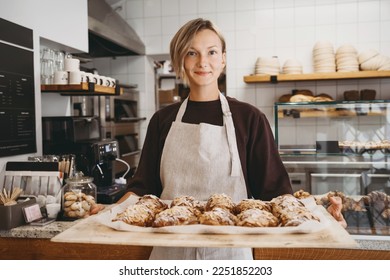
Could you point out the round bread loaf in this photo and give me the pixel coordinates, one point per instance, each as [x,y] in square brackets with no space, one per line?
[301,98]
[285,98]
[303,92]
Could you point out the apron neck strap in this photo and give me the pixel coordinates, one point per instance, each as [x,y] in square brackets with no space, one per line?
[225,108]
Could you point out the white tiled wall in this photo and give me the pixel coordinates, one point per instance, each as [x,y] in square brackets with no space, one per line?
[254,28]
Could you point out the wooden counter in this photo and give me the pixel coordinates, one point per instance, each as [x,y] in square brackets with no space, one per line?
[44,249]
[81,241]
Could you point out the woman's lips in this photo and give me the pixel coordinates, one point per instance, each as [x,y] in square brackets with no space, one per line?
[201,73]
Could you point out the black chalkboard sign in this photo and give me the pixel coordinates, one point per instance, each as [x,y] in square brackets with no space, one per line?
[17,98]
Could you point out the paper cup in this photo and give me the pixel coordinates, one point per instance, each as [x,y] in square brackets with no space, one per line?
[53,210]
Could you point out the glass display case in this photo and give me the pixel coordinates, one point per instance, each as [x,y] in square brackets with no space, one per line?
[342,147]
[339,127]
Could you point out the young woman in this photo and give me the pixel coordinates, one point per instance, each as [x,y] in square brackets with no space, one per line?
[209,143]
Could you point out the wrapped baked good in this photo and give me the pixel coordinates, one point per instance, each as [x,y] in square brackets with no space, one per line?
[218,217]
[336,193]
[378,200]
[153,202]
[250,203]
[175,216]
[350,204]
[325,199]
[255,217]
[220,200]
[137,215]
[386,214]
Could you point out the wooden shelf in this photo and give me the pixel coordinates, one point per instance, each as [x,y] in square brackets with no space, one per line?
[327,113]
[82,89]
[316,76]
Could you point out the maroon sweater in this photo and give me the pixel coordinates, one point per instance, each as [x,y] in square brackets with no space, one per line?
[264,172]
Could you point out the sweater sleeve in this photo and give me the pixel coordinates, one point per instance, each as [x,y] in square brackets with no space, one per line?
[146,179]
[267,176]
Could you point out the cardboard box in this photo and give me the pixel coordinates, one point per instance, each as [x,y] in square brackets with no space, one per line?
[165,96]
[12,216]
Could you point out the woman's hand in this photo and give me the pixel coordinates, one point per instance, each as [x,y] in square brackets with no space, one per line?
[125,196]
[335,210]
[96,208]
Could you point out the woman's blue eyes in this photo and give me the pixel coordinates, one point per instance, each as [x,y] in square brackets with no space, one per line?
[191,53]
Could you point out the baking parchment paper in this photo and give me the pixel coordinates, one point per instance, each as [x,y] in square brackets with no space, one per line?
[105,218]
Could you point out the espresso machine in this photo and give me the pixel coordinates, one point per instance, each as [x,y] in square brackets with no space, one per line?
[94,157]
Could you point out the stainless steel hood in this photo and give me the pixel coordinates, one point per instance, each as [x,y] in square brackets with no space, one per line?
[109,34]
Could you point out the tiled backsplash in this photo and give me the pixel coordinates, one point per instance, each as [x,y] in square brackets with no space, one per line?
[283,28]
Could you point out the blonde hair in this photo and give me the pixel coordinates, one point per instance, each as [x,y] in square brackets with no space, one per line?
[182,40]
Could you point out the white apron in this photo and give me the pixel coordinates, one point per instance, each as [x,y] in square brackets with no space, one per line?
[200,160]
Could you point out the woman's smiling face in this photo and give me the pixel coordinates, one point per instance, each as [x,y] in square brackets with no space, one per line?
[205,59]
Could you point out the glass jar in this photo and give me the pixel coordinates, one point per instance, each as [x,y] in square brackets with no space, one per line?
[78,196]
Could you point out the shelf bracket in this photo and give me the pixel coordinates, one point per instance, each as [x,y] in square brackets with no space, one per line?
[274,79]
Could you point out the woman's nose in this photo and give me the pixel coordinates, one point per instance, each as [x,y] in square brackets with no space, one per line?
[202,60]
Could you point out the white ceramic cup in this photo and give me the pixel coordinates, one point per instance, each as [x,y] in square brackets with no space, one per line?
[90,78]
[75,77]
[98,79]
[53,210]
[105,81]
[61,78]
[71,64]
[83,77]
[112,82]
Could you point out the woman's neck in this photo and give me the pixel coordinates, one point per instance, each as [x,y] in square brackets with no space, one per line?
[204,94]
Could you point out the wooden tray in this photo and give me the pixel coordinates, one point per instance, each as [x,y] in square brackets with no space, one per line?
[90,231]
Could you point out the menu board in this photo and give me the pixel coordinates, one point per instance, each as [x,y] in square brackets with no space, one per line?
[17,100]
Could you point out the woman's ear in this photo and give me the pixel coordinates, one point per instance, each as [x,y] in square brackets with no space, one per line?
[224,59]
